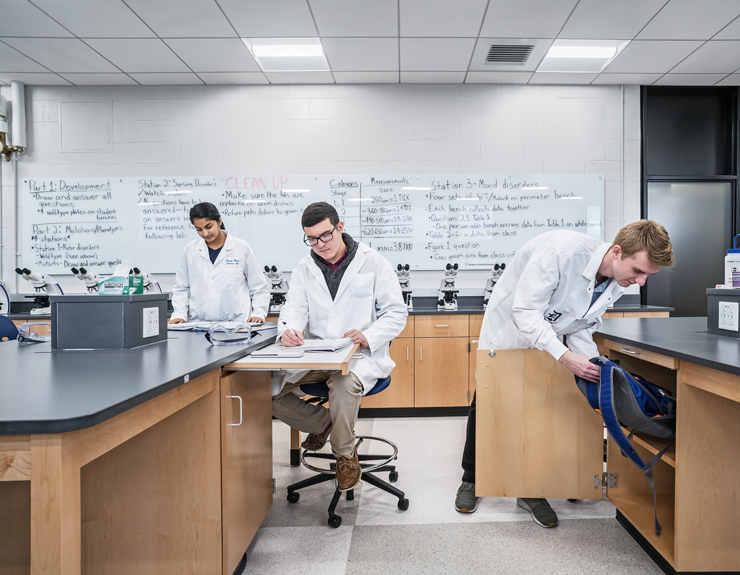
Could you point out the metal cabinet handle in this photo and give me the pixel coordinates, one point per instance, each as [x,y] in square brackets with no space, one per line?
[630,351]
[441,326]
[240,410]
[420,354]
[407,353]
[475,341]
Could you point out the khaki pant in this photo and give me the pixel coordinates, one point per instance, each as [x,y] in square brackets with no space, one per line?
[345,393]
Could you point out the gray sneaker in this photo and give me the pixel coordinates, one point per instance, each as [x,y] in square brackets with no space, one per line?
[542,513]
[466,501]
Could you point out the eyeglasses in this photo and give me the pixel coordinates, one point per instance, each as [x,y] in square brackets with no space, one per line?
[325,238]
[231,334]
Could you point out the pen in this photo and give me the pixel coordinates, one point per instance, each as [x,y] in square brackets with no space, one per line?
[286,327]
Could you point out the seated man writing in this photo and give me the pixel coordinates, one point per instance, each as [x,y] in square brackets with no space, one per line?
[342,288]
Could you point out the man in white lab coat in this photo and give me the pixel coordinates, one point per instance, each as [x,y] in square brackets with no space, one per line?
[551,297]
[342,288]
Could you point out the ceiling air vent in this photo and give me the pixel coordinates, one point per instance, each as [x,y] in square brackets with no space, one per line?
[508,54]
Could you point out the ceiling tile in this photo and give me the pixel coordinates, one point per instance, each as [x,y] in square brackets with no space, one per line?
[96,18]
[638,79]
[363,54]
[436,54]
[441,18]
[561,78]
[690,20]
[622,20]
[730,32]
[366,77]
[651,56]
[526,18]
[183,18]
[714,57]
[146,55]
[21,18]
[689,79]
[273,19]
[168,79]
[62,54]
[300,77]
[432,77]
[233,77]
[348,18]
[13,61]
[99,79]
[214,54]
[498,77]
[33,79]
[731,80]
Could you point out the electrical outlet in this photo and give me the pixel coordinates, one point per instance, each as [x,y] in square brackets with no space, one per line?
[151,322]
[728,315]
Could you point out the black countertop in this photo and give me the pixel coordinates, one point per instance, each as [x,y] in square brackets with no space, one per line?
[54,392]
[684,338]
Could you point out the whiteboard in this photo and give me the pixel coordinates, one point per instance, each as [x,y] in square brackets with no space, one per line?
[475,220]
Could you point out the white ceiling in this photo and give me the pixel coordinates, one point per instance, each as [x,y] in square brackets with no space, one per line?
[111,42]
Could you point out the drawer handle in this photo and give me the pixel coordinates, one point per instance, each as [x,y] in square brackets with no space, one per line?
[630,351]
[475,341]
[420,353]
[441,326]
[240,410]
[407,353]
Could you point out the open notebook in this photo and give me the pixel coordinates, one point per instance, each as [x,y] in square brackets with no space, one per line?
[309,346]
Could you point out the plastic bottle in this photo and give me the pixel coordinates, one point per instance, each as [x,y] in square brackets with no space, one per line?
[732,266]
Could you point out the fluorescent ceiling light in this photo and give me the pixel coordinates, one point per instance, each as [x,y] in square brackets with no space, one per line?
[288,54]
[582,52]
[297,191]
[585,56]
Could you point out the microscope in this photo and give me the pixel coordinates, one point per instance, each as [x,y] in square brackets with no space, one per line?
[402,272]
[278,288]
[447,296]
[44,286]
[4,300]
[91,280]
[496,272]
[150,284]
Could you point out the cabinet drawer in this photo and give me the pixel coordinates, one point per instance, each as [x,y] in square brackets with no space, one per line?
[649,356]
[476,322]
[441,325]
[408,331]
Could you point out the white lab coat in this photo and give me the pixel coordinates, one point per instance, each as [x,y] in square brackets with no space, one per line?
[368,299]
[545,294]
[233,288]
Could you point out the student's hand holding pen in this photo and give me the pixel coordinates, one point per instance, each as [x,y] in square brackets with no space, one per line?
[291,337]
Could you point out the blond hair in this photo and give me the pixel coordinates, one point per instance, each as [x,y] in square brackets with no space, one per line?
[647,236]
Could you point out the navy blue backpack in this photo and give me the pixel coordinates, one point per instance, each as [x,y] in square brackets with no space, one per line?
[626,400]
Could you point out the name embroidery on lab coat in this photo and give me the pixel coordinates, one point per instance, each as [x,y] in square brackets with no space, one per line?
[232,261]
[553,316]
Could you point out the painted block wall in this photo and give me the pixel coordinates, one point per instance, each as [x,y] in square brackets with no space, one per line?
[341,129]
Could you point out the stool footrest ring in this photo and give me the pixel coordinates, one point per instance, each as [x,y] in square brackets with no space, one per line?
[381,460]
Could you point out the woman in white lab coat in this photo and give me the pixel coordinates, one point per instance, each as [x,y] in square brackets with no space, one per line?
[218,278]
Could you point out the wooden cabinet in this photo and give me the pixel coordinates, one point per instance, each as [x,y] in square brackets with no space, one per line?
[400,393]
[472,356]
[246,460]
[453,325]
[441,371]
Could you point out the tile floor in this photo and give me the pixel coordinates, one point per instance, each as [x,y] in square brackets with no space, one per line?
[430,537]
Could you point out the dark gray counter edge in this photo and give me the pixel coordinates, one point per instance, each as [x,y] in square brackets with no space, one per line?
[77,423]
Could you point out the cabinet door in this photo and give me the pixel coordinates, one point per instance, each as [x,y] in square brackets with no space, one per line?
[473,349]
[246,460]
[536,435]
[441,377]
[400,393]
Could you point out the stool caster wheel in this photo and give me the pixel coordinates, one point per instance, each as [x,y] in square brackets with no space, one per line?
[393,476]
[294,497]
[334,521]
[350,495]
[403,504]
[572,500]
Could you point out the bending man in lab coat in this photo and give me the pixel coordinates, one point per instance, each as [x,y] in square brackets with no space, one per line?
[342,288]
[218,278]
[555,290]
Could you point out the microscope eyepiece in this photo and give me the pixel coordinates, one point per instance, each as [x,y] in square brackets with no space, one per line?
[274,268]
[75,271]
[449,267]
[399,268]
[407,267]
[137,271]
[455,266]
[496,267]
[267,268]
[82,271]
[19,271]
[503,267]
[27,271]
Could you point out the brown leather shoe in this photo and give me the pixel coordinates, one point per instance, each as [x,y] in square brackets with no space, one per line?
[316,441]
[348,472]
